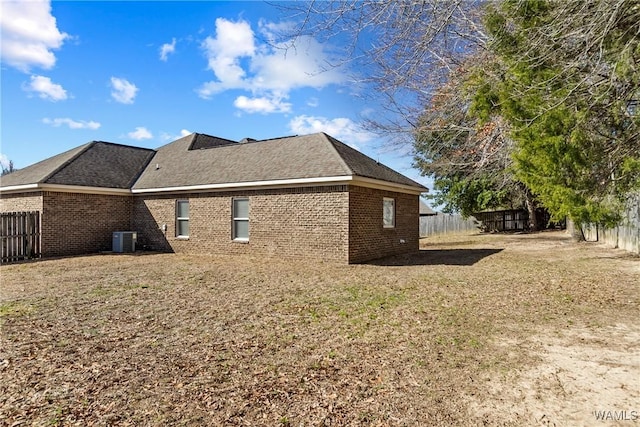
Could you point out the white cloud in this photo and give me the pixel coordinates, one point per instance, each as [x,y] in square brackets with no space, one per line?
[123,91]
[170,137]
[29,33]
[233,41]
[140,133]
[341,128]
[166,49]
[284,68]
[72,124]
[46,89]
[313,102]
[262,105]
[268,70]
[274,31]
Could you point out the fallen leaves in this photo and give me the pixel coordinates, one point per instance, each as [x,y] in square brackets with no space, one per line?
[161,339]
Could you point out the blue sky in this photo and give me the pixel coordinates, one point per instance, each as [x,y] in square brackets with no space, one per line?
[144,73]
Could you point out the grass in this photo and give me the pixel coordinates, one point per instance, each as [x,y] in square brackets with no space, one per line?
[190,340]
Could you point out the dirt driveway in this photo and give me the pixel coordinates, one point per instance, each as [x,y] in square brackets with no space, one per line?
[474,330]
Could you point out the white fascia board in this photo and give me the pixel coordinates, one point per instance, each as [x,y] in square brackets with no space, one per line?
[85,190]
[24,188]
[64,189]
[251,185]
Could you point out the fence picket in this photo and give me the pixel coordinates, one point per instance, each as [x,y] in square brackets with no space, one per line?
[20,235]
[626,235]
[445,223]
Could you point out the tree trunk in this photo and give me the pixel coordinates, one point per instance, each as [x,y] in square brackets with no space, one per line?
[576,231]
[531,209]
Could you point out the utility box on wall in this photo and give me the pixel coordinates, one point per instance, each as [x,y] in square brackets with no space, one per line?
[124,241]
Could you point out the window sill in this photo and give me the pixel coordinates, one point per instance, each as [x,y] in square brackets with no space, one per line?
[240,240]
[182,237]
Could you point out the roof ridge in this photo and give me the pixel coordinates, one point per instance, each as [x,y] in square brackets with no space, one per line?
[69,161]
[194,138]
[331,140]
[123,145]
[135,179]
[277,137]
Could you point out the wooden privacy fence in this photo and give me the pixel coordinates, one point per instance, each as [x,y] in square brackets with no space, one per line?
[446,224]
[20,232]
[626,235]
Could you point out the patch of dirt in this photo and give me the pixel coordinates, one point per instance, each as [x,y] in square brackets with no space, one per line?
[487,330]
[585,377]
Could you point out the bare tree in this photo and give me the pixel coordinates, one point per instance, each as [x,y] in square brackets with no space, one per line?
[9,168]
[402,50]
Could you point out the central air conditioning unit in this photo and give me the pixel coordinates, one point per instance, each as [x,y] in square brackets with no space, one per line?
[124,241]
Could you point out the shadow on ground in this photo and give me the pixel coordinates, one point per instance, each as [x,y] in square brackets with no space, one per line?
[438,257]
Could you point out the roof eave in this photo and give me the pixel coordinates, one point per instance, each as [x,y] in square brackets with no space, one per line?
[60,188]
[288,183]
[21,188]
[388,186]
[250,185]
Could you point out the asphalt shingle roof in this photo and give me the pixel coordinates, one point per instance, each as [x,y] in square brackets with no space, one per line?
[96,164]
[200,160]
[296,157]
[39,172]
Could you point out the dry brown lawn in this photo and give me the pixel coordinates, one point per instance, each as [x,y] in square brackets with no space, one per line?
[475,330]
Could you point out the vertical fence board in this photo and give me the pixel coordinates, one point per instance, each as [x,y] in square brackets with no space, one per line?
[626,235]
[445,224]
[20,235]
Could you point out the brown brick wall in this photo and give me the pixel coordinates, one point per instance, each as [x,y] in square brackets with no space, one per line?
[332,223]
[368,239]
[296,223]
[74,224]
[21,202]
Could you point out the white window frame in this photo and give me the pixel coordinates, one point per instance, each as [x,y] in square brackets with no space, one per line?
[386,202]
[236,219]
[180,219]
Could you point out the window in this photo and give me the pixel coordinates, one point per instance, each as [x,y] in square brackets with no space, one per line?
[240,227]
[388,212]
[182,218]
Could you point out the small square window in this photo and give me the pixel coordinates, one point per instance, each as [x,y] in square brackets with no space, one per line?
[182,218]
[388,212]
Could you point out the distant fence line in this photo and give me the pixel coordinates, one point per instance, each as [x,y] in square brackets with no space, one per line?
[446,223]
[625,236]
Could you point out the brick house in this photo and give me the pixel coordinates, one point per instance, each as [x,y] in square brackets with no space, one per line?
[302,196]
